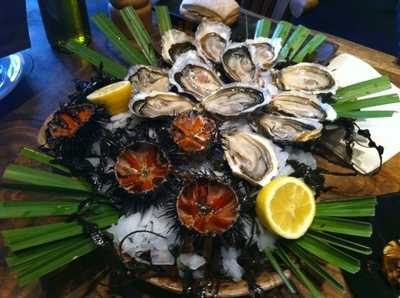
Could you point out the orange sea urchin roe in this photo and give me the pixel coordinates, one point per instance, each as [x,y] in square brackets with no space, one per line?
[208,207]
[192,132]
[141,167]
[66,123]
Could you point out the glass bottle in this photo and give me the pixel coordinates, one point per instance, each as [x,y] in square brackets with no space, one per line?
[65,20]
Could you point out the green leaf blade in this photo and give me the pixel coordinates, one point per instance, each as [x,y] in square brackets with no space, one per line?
[32,176]
[163,18]
[309,48]
[24,209]
[366,103]
[364,88]
[342,226]
[140,33]
[282,31]
[329,254]
[313,264]
[42,158]
[263,28]
[295,41]
[97,59]
[119,40]
[278,269]
[365,114]
[341,242]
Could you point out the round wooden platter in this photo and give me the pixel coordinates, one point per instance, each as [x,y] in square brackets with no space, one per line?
[266,281]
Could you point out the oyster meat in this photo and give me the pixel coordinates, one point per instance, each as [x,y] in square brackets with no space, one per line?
[157,104]
[264,51]
[237,63]
[211,38]
[175,43]
[298,104]
[289,129]
[146,78]
[235,99]
[250,156]
[189,74]
[307,77]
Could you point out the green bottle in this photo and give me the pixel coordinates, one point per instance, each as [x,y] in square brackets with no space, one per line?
[65,20]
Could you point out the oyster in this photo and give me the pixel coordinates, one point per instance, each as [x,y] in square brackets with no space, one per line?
[235,99]
[157,104]
[250,156]
[264,51]
[174,43]
[289,129]
[298,104]
[237,63]
[189,74]
[307,77]
[211,39]
[146,78]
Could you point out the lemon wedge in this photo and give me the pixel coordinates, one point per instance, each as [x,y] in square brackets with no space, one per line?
[114,97]
[286,206]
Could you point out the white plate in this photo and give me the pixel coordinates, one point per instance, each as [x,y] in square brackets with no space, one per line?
[11,69]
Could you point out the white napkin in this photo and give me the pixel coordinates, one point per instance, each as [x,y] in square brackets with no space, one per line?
[347,70]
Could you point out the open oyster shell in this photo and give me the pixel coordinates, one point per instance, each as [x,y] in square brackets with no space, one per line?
[211,38]
[264,51]
[237,63]
[235,99]
[174,43]
[290,129]
[306,77]
[145,78]
[298,104]
[158,104]
[191,75]
[250,156]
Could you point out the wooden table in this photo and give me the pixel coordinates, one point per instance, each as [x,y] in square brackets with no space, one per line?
[51,80]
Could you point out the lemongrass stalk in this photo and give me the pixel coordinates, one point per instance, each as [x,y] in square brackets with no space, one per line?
[109,66]
[25,209]
[42,178]
[342,226]
[309,48]
[329,254]
[310,261]
[340,242]
[364,88]
[140,34]
[282,31]
[163,18]
[32,236]
[263,27]
[365,114]
[119,40]
[295,41]
[298,273]
[278,269]
[42,158]
[366,103]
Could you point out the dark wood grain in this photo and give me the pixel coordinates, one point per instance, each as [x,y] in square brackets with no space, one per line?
[46,86]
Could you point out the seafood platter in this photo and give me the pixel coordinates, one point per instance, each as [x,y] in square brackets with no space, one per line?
[194,167]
